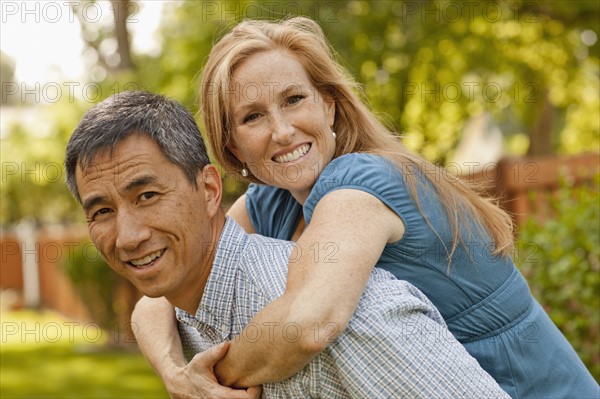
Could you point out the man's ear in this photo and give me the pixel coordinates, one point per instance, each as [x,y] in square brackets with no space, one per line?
[209,180]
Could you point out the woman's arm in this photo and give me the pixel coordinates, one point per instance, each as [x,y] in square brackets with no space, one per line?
[327,275]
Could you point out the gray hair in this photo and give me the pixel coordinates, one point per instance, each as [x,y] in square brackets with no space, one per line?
[165,121]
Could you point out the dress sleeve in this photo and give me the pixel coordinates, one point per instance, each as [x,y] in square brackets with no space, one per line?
[370,173]
[273,211]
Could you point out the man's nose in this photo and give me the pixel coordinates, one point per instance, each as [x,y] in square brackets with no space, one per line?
[132,230]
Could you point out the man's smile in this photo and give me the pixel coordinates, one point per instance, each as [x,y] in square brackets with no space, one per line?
[147,260]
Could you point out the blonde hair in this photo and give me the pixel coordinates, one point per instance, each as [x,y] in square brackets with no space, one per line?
[357,128]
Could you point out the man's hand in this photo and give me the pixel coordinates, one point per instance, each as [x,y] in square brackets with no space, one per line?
[197,379]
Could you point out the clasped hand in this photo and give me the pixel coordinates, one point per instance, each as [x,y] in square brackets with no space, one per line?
[197,379]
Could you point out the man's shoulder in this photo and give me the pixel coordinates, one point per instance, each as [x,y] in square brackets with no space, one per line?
[258,247]
[263,264]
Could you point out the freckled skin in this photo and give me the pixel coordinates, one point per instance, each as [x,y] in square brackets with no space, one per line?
[144,204]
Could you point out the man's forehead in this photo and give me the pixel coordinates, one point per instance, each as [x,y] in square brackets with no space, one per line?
[102,160]
[108,164]
[135,152]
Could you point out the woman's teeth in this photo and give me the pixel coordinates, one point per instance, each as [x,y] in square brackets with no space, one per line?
[147,259]
[292,156]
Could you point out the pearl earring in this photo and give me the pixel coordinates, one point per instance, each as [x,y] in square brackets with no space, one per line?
[245,171]
[334,135]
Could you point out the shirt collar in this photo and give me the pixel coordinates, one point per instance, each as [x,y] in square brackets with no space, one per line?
[216,305]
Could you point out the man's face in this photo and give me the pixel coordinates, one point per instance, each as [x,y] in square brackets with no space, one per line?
[150,223]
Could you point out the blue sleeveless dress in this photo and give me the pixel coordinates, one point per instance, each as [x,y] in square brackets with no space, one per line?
[484,299]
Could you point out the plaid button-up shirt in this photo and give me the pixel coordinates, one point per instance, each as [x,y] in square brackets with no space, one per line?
[396,344]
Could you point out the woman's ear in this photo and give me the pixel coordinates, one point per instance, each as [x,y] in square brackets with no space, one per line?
[330,105]
[235,151]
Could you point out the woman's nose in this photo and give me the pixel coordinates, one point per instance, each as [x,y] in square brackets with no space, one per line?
[282,130]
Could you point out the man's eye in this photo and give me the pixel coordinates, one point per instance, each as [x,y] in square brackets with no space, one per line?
[100,212]
[147,195]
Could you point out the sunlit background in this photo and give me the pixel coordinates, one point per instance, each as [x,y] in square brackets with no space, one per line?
[507,92]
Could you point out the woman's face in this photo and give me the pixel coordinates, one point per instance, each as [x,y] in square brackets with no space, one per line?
[281,123]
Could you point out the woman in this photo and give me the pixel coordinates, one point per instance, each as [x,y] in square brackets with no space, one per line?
[279,110]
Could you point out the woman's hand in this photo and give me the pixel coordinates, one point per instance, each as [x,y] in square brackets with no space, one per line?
[197,379]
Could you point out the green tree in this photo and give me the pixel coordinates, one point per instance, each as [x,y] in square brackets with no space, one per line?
[430,66]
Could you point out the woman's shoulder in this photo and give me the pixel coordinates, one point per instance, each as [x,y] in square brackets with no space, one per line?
[373,174]
[358,159]
[358,169]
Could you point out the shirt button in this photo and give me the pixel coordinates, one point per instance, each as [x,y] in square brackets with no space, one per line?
[224,328]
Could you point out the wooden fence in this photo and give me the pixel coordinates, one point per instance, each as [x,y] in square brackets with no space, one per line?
[524,186]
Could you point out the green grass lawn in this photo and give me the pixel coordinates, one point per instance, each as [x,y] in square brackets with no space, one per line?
[43,355]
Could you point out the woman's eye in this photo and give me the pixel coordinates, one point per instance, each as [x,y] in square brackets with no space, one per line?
[251,118]
[295,99]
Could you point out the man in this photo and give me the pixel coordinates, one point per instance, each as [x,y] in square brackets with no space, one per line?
[137,164]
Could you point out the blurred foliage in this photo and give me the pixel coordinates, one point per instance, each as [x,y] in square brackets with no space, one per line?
[431,66]
[32,156]
[560,258]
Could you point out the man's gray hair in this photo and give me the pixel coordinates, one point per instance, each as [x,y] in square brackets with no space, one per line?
[165,121]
